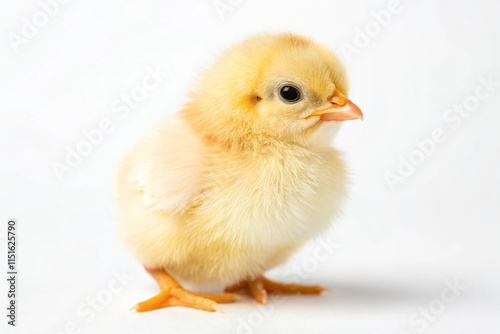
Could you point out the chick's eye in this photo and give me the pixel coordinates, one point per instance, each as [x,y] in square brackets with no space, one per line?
[290,94]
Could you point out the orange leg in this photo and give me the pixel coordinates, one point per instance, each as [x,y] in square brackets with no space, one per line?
[172,294]
[260,287]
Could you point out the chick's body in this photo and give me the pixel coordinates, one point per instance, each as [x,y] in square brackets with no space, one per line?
[248,210]
[244,174]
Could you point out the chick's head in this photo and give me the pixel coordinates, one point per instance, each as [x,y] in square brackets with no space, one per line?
[280,87]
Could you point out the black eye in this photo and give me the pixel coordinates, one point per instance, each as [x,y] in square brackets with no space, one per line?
[290,94]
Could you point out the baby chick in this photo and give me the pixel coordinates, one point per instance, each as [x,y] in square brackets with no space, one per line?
[241,177]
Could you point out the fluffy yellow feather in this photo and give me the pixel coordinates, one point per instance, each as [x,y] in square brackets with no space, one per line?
[241,177]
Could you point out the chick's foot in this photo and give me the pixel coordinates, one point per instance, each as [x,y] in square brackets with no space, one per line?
[260,287]
[172,294]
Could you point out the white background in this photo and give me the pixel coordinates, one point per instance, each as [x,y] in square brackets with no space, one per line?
[394,248]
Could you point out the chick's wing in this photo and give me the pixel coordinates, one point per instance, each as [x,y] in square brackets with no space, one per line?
[166,167]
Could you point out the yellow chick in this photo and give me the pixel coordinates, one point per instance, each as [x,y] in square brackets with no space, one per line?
[241,177]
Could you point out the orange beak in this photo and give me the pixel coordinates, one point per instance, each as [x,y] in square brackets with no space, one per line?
[342,109]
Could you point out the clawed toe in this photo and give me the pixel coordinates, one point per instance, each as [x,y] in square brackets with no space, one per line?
[260,287]
[172,294]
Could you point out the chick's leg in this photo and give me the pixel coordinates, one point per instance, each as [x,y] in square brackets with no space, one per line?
[172,294]
[260,287]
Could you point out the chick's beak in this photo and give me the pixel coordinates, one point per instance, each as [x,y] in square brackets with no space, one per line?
[342,109]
